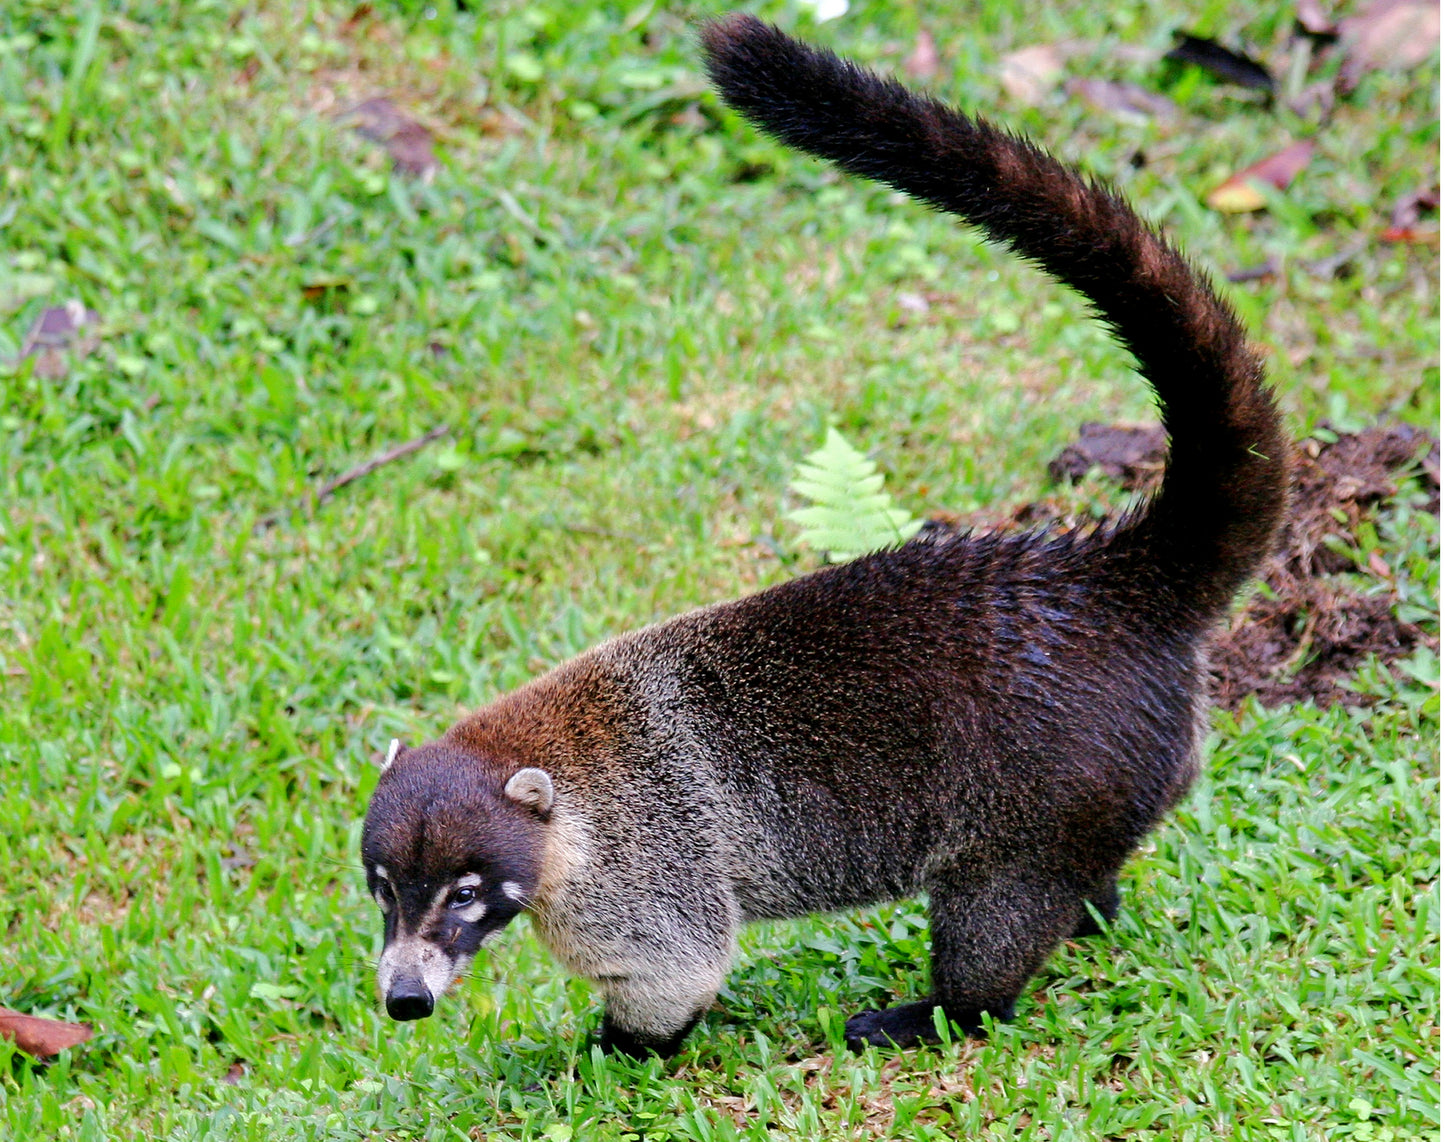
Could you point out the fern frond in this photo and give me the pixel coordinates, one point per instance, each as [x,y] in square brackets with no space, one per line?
[849,512]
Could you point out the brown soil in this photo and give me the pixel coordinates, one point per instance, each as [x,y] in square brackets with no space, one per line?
[1303,637]
[1307,634]
[1131,454]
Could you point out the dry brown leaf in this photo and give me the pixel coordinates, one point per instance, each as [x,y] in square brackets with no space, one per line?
[922,63]
[1406,214]
[1312,18]
[1410,206]
[406,141]
[1397,34]
[41,1037]
[1123,98]
[1410,234]
[1239,193]
[60,333]
[1030,73]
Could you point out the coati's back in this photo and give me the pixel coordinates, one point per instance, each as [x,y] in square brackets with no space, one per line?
[980,697]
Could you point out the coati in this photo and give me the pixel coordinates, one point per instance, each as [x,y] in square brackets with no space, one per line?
[995,719]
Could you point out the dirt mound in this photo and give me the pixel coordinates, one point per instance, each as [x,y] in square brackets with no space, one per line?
[1307,634]
[1131,454]
[1304,636]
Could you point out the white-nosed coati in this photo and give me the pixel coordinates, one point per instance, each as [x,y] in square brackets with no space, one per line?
[997,720]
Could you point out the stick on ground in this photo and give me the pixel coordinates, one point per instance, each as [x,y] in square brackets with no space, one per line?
[327,490]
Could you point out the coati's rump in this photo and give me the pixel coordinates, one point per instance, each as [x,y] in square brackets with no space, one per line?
[997,720]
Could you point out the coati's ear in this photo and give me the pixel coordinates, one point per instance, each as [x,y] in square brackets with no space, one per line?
[392,751]
[531,788]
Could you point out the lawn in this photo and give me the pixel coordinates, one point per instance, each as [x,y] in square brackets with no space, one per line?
[628,317]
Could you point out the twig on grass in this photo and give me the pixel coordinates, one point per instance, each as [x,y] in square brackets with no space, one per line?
[327,490]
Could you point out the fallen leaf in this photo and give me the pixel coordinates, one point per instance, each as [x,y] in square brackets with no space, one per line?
[1239,193]
[1410,206]
[1378,565]
[58,333]
[406,141]
[1410,234]
[1406,214]
[1312,18]
[320,286]
[1255,273]
[1218,60]
[922,63]
[359,15]
[1123,98]
[1394,34]
[41,1037]
[1029,73]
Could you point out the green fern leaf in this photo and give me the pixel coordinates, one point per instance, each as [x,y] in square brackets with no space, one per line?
[849,513]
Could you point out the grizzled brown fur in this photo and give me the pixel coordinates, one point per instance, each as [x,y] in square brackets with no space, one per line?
[997,720]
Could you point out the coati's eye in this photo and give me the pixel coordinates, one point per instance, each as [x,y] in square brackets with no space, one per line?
[384,897]
[463,896]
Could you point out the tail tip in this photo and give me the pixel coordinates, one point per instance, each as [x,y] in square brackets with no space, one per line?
[726,34]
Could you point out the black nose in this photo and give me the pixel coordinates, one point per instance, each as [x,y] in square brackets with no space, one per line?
[408,999]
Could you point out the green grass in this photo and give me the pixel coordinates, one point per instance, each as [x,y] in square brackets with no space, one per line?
[634,315]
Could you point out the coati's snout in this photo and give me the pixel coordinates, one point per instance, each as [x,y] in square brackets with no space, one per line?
[452,848]
[409,999]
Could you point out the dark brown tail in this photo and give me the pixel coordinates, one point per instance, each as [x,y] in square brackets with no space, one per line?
[1224,489]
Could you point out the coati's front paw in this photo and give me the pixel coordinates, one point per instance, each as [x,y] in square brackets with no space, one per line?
[907,1025]
[617,1040]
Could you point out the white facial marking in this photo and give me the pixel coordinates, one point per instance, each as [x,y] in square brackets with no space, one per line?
[379,896]
[471,880]
[513,889]
[391,752]
[473,911]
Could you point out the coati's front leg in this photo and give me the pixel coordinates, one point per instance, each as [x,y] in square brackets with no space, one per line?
[652,1013]
[660,962]
[988,938]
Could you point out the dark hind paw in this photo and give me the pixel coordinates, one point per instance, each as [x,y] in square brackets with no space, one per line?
[910,1024]
[906,1025]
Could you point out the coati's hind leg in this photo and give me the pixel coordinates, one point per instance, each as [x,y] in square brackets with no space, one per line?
[988,937]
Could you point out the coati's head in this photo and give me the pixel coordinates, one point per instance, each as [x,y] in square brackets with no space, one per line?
[453,850]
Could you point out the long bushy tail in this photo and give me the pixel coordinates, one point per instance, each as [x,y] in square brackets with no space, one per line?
[1224,488]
